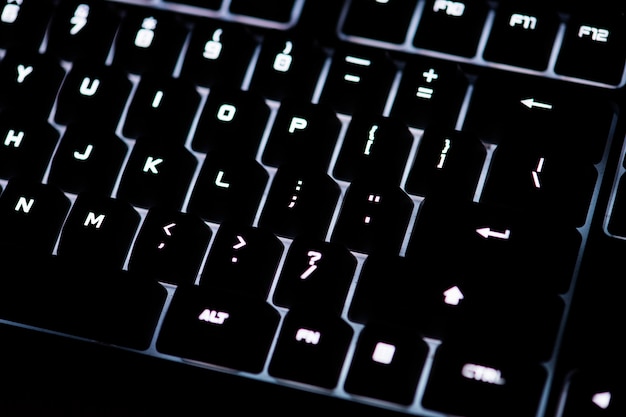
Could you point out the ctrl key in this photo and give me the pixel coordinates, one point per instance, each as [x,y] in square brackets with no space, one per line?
[469,381]
[220,328]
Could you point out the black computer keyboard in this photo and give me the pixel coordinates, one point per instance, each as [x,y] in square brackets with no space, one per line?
[391,206]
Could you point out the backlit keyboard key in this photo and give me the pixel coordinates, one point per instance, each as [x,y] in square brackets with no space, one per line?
[302,133]
[23,23]
[300,201]
[315,272]
[29,82]
[549,181]
[373,215]
[311,348]
[98,231]
[163,108]
[448,163]
[27,146]
[170,246]
[431,91]
[218,52]
[83,29]
[374,147]
[594,48]
[105,305]
[381,20]
[148,40]
[93,92]
[476,382]
[243,259]
[522,36]
[287,66]
[87,159]
[157,174]
[233,121]
[27,209]
[219,328]
[359,79]
[441,18]
[387,364]
[228,189]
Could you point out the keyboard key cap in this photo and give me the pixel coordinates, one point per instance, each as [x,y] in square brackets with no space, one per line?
[595,393]
[98,231]
[315,272]
[455,300]
[30,209]
[523,35]
[474,382]
[311,348]
[381,20]
[228,189]
[278,10]
[593,48]
[359,78]
[218,52]
[300,201]
[162,107]
[232,121]
[93,92]
[170,246]
[374,146]
[87,159]
[83,29]
[23,22]
[26,146]
[515,239]
[242,259]
[387,364]
[29,82]
[551,182]
[431,91]
[148,40]
[157,174]
[108,306]
[448,163]
[519,108]
[218,328]
[287,66]
[442,18]
[302,133]
[373,215]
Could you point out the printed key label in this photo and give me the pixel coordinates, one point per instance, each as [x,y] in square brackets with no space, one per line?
[213,48]
[11,11]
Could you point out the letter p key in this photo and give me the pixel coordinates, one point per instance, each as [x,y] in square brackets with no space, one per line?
[297,123]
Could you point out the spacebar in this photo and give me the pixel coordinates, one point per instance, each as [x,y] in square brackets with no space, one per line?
[111,307]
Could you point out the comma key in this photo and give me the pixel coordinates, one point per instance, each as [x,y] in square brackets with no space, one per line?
[218,328]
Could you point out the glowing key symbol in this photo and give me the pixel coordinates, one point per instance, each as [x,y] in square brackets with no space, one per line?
[536,173]
[314,257]
[602,399]
[383,353]
[372,198]
[240,244]
[294,197]
[219,180]
[168,232]
[370,140]
[453,296]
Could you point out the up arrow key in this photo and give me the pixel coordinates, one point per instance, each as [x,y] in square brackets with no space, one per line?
[531,103]
[487,233]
